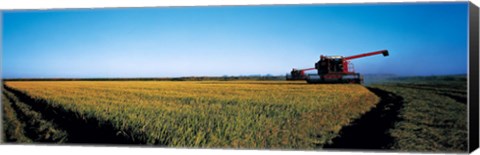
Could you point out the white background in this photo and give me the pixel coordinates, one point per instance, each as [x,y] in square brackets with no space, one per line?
[117,150]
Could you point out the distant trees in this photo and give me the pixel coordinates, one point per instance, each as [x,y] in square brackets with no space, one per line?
[189,78]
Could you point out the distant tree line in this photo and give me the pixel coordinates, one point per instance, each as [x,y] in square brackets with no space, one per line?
[189,78]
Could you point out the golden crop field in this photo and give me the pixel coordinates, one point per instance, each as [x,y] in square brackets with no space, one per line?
[215,114]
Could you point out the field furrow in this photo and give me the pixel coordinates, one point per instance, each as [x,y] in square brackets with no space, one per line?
[29,124]
[13,128]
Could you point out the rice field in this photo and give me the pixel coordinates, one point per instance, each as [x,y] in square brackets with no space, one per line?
[207,114]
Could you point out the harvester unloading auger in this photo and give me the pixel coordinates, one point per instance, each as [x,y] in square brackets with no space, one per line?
[333,69]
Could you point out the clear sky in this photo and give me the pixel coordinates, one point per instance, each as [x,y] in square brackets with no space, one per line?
[423,39]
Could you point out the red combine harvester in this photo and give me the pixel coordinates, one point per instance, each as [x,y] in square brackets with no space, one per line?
[333,69]
[298,74]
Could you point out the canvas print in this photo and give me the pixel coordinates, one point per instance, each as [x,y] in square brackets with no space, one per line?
[379,76]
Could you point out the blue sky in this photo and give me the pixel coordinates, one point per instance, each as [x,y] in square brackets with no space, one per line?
[423,39]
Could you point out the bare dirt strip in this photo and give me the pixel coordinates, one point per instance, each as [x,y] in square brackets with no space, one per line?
[371,130]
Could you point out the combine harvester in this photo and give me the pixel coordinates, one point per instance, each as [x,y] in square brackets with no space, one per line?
[333,69]
[298,74]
